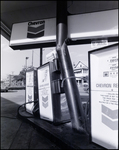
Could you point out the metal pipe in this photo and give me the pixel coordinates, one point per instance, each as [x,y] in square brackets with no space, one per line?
[70,85]
[41,51]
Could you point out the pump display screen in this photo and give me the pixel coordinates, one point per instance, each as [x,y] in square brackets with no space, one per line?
[104,96]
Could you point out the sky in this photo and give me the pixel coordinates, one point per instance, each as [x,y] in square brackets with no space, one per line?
[12,61]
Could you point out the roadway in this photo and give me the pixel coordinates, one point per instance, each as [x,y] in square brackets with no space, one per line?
[18,96]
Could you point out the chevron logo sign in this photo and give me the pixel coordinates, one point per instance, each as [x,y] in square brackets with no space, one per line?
[36,29]
[108,117]
[45,102]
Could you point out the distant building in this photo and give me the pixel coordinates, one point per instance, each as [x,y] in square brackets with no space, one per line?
[80,71]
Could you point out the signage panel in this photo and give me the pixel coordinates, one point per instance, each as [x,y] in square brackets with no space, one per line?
[99,43]
[43,31]
[104,96]
[45,95]
[50,56]
[29,91]
[33,32]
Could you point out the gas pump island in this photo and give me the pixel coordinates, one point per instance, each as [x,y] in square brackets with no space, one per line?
[56,104]
[44,84]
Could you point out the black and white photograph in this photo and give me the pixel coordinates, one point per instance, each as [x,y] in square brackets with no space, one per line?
[59,75]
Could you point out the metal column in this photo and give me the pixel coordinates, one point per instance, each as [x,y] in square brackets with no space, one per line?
[70,85]
[41,53]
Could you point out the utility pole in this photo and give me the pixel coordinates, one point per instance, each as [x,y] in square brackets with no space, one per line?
[26,61]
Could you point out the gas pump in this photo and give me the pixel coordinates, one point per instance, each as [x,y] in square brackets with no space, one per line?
[31,91]
[52,100]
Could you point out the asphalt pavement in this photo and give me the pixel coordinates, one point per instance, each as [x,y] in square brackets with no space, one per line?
[16,133]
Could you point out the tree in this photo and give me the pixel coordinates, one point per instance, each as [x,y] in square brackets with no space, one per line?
[22,74]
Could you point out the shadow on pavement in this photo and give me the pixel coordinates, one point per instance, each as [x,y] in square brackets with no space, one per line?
[18,134]
[9,91]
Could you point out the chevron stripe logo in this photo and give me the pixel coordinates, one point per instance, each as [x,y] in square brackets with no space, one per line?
[45,102]
[45,99]
[108,117]
[111,124]
[35,29]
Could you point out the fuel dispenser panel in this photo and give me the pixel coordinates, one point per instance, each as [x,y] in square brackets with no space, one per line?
[52,100]
[31,90]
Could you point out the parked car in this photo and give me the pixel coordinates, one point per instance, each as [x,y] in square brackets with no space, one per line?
[86,87]
[3,86]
